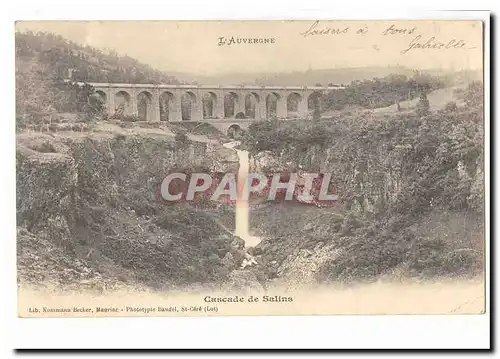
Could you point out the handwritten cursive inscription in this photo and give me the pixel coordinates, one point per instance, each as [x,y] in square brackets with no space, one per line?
[418,42]
[393,30]
[326,30]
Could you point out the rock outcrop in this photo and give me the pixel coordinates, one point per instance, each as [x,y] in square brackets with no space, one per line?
[94,197]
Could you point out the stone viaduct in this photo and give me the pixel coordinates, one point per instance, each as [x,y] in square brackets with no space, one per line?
[222,106]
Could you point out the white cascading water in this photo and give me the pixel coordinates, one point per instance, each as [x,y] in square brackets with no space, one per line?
[242,207]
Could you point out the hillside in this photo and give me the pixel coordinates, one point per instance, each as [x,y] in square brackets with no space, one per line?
[89,64]
[43,60]
[311,77]
[410,186]
[438,99]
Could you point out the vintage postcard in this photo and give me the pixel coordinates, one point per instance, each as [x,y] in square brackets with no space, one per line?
[224,168]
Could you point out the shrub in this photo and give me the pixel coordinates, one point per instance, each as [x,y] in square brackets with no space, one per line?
[451,106]
[423,106]
[182,139]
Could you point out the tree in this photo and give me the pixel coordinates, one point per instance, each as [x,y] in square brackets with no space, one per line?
[423,106]
[451,106]
[473,94]
[33,93]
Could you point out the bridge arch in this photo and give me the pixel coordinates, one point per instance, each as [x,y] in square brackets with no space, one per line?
[231,101]
[145,110]
[123,106]
[188,103]
[314,104]
[209,100]
[167,106]
[272,101]
[293,104]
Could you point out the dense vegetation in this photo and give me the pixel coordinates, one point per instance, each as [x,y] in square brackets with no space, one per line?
[394,174]
[382,92]
[44,61]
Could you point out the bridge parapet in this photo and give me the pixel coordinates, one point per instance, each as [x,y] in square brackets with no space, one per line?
[211,87]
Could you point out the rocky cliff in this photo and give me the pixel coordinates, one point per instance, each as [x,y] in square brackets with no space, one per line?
[89,211]
[410,189]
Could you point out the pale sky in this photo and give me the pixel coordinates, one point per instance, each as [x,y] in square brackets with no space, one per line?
[192,46]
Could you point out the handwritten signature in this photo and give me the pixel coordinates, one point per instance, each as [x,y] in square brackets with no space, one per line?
[418,42]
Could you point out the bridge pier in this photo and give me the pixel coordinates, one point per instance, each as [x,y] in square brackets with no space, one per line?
[156,106]
[260,110]
[239,105]
[133,104]
[219,108]
[281,108]
[176,115]
[303,110]
[197,110]
[111,107]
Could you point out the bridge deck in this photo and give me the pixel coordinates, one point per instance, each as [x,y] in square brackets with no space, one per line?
[207,87]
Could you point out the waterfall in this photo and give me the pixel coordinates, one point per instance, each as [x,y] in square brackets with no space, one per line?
[242,207]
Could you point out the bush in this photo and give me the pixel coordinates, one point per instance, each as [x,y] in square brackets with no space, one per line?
[423,106]
[182,139]
[451,106]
